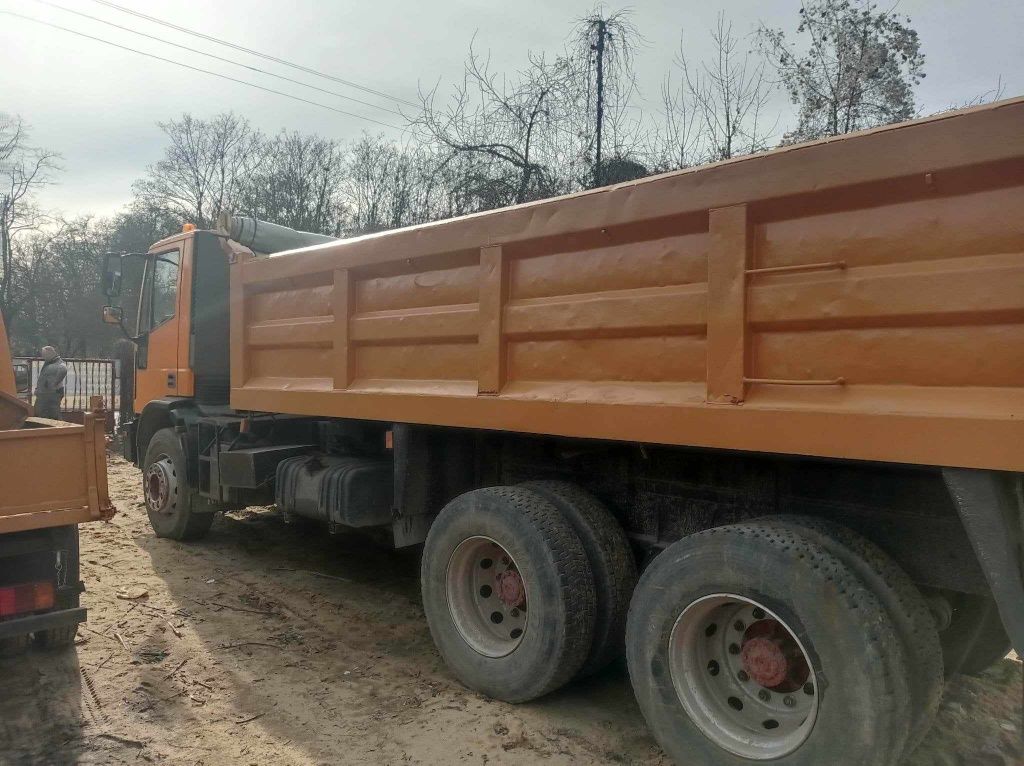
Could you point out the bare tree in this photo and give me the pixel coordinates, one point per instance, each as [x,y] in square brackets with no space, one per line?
[203,167]
[676,141]
[23,170]
[298,183]
[715,111]
[511,123]
[57,288]
[987,97]
[382,187]
[858,67]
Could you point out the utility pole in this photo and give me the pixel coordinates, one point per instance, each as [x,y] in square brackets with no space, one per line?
[602,31]
[5,256]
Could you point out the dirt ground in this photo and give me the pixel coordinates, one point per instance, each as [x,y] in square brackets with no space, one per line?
[269,643]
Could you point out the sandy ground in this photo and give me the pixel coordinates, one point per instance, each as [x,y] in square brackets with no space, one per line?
[266,643]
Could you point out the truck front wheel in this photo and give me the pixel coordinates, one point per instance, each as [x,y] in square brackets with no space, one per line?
[750,643]
[169,499]
[508,593]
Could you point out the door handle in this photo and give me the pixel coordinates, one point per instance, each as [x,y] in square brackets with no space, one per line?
[172,380]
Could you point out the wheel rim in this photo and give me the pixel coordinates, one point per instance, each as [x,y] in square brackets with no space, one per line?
[743,676]
[160,486]
[487,596]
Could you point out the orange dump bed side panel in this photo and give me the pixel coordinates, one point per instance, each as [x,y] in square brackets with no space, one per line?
[53,473]
[855,298]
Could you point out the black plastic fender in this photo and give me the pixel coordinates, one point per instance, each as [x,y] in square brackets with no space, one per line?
[992,512]
[157,414]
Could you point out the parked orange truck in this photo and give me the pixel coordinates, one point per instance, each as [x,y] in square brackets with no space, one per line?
[786,389]
[53,477]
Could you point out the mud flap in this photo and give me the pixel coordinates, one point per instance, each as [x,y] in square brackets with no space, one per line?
[992,512]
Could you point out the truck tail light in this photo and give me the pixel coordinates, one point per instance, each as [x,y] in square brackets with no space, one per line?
[27,597]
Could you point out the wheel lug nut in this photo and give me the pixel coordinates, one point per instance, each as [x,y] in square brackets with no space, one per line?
[763,695]
[739,625]
[742,675]
[788,701]
[514,612]
[734,648]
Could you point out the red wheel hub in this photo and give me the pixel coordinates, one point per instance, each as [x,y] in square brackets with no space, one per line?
[511,590]
[764,661]
[772,658]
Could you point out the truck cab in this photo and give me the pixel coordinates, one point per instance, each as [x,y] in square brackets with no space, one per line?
[172,302]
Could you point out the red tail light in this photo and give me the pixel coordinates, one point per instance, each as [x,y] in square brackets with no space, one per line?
[27,597]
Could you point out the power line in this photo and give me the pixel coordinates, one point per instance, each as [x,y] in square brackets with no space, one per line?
[216,57]
[199,69]
[307,70]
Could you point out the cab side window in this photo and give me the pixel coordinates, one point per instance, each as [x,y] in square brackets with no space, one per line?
[164,300]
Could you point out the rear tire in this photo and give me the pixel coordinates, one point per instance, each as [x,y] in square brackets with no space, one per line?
[901,599]
[508,593]
[830,631]
[170,502]
[611,562]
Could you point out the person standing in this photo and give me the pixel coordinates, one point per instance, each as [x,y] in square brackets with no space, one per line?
[50,384]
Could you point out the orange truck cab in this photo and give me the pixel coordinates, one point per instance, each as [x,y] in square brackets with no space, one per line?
[788,388]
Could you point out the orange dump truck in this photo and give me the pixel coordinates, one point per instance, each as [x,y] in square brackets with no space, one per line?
[759,425]
[53,477]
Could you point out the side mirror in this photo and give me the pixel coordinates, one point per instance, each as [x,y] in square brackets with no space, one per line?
[111,277]
[113,315]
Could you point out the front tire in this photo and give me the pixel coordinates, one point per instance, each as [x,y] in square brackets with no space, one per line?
[170,502]
[726,622]
[508,593]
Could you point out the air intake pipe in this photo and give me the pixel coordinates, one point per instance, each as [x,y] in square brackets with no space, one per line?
[267,238]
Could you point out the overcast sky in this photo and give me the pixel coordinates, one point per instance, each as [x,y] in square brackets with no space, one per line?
[99,106]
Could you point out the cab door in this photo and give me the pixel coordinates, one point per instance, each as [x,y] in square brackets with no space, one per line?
[158,366]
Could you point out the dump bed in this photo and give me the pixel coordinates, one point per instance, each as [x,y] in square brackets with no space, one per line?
[861,297]
[53,474]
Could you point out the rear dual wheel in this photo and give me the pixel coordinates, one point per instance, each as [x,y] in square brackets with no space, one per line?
[903,604]
[526,587]
[611,563]
[508,593]
[754,643]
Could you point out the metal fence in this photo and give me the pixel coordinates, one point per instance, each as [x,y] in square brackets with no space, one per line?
[86,378]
